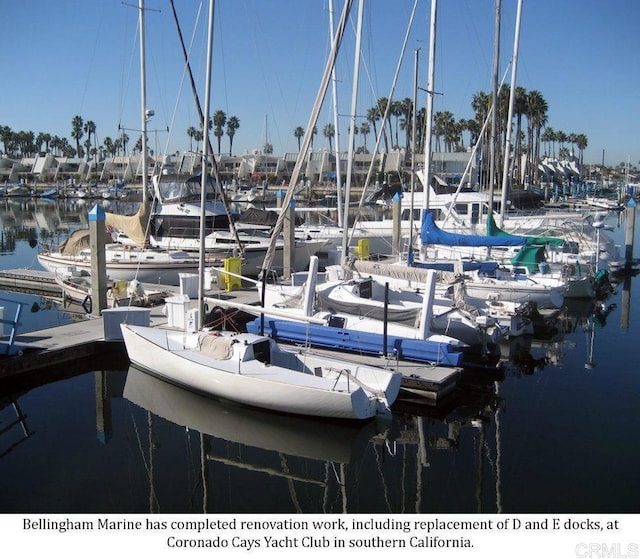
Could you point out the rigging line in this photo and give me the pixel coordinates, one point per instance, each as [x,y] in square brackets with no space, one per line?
[207,137]
[268,260]
[386,115]
[126,76]
[91,65]
[182,80]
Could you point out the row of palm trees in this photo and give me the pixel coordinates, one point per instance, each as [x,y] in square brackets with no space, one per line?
[216,123]
[531,132]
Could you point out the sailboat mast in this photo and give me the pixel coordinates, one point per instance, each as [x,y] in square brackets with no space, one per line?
[306,141]
[429,113]
[414,118]
[205,157]
[336,123]
[494,114]
[352,125]
[143,102]
[512,101]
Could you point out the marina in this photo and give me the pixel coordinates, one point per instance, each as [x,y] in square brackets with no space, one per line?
[445,332]
[538,416]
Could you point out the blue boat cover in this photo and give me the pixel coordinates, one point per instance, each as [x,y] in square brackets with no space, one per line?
[344,339]
[431,234]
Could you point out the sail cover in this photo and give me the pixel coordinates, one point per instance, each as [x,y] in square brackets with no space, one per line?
[431,234]
[494,230]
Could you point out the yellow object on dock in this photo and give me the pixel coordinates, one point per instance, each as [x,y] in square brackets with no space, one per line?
[362,250]
[234,266]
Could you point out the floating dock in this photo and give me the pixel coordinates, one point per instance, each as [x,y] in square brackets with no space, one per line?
[49,353]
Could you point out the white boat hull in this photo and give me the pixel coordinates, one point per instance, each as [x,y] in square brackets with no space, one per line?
[289,382]
[162,270]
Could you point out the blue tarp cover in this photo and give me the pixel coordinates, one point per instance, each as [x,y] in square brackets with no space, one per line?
[431,234]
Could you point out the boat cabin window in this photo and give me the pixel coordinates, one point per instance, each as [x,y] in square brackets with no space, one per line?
[461,209]
[183,191]
[337,321]
[475,214]
[262,351]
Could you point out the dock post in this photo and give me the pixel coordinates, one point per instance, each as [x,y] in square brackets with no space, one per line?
[98,233]
[289,232]
[629,232]
[397,224]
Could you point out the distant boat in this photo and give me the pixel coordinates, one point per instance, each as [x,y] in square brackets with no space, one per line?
[122,262]
[17,190]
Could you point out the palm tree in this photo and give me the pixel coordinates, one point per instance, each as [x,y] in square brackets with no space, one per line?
[519,109]
[298,133]
[124,138]
[329,131]
[382,108]
[90,129]
[364,130]
[396,110]
[581,143]
[109,146]
[198,138]
[219,119]
[407,121]
[76,131]
[5,136]
[267,149]
[313,135]
[233,123]
[537,115]
[191,131]
[373,116]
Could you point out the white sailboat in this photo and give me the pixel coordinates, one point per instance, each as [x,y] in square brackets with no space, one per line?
[135,261]
[252,369]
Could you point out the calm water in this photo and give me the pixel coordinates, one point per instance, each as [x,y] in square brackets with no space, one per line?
[556,432]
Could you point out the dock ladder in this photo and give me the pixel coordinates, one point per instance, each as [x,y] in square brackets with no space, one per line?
[7,348]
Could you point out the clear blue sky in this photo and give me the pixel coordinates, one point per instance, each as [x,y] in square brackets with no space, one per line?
[80,57]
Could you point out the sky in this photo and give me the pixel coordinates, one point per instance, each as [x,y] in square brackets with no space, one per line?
[81,57]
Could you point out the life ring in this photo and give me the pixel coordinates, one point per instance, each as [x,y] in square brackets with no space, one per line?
[87,304]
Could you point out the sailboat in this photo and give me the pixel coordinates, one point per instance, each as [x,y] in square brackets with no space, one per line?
[252,369]
[175,225]
[135,260]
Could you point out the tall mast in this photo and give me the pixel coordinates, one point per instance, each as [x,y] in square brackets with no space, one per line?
[429,113]
[494,114]
[512,100]
[143,101]
[336,123]
[205,157]
[414,118]
[352,120]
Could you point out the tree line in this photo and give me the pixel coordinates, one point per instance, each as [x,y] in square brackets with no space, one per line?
[532,137]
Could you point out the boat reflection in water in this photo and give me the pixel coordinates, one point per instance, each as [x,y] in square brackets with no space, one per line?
[263,462]
[233,434]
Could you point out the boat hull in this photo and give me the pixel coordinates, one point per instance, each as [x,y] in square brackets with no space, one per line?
[281,386]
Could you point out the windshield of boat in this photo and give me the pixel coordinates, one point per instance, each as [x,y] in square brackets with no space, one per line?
[180,190]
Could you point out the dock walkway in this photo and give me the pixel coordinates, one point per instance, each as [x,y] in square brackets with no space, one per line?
[59,352]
